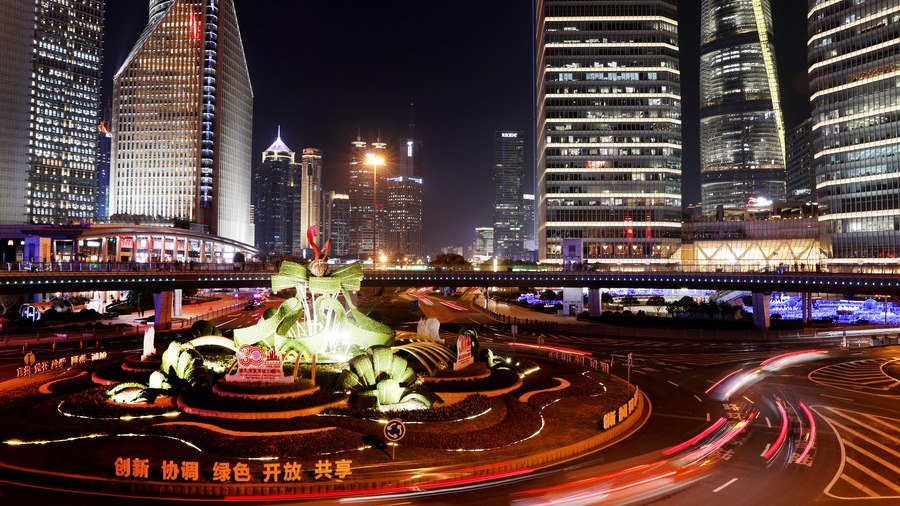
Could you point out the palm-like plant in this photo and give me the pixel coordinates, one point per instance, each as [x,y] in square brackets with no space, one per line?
[379,376]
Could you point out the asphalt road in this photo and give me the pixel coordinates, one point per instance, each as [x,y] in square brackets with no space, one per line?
[817,428]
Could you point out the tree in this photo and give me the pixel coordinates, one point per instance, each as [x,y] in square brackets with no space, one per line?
[548,294]
[8,301]
[450,261]
[629,300]
[656,301]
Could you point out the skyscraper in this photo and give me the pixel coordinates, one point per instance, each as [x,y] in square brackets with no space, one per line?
[608,129]
[509,210]
[276,198]
[182,115]
[367,192]
[801,176]
[49,109]
[336,223]
[309,212]
[104,147]
[854,72]
[405,196]
[742,152]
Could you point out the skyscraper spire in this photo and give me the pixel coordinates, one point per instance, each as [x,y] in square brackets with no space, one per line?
[412,124]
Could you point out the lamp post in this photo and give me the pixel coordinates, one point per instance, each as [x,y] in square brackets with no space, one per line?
[374,160]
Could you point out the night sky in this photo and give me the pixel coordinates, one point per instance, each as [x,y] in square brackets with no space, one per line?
[326,69]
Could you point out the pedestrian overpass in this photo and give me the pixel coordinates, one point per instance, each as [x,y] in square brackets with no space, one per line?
[163,279]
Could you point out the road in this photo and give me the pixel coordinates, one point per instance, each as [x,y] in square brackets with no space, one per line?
[821,427]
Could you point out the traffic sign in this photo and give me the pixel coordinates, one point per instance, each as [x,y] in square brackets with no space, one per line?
[29,359]
[629,359]
[394,430]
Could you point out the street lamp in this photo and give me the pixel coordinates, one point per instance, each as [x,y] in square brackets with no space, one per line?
[374,160]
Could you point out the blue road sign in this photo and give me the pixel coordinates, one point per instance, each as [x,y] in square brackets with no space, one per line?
[394,430]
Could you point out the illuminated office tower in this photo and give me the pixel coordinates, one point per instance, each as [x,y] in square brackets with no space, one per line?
[49,109]
[309,211]
[742,152]
[608,130]
[509,175]
[182,115]
[483,246]
[854,71]
[405,196]
[801,178]
[367,192]
[336,223]
[276,197]
[104,147]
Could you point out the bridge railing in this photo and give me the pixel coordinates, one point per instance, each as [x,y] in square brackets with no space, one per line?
[80,267]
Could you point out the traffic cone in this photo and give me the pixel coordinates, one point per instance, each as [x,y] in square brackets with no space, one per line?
[80,345]
[53,346]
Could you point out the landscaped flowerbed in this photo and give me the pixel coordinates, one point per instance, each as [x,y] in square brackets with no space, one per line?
[499,378]
[94,403]
[257,388]
[473,405]
[208,400]
[283,444]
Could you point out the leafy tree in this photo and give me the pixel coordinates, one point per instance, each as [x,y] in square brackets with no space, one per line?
[629,300]
[657,302]
[450,261]
[548,294]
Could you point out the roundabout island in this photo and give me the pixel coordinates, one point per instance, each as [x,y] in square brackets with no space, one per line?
[315,400]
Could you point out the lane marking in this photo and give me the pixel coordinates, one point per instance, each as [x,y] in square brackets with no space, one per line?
[729,482]
[672,383]
[707,417]
[768,424]
[765,450]
[698,398]
[747,399]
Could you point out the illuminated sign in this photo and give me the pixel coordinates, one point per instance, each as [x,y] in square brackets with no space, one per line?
[509,135]
[258,365]
[409,145]
[758,202]
[595,164]
[226,472]
[463,352]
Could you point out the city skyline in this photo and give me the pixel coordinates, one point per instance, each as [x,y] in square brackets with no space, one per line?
[411,57]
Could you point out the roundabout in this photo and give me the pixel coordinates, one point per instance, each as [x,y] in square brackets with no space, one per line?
[315,400]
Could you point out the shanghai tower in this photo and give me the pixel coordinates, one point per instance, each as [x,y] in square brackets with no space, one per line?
[742,152]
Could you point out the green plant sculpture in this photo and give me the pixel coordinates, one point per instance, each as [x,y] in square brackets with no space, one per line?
[382,380]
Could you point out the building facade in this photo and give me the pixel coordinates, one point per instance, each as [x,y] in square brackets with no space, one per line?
[182,120]
[368,224]
[104,148]
[309,210]
[483,246]
[405,202]
[801,176]
[49,110]
[742,152]
[276,198]
[854,71]
[336,223]
[608,130]
[509,208]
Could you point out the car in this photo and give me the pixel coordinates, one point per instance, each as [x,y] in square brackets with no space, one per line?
[252,305]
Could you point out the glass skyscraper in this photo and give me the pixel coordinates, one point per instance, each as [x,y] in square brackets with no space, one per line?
[509,211]
[182,120]
[49,109]
[608,130]
[276,198]
[854,70]
[742,152]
